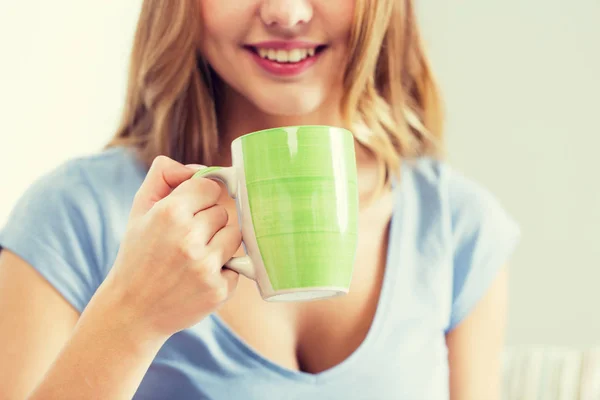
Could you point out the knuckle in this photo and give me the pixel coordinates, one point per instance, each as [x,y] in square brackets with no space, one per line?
[201,273]
[160,161]
[209,188]
[221,215]
[218,293]
[234,234]
[170,212]
[188,250]
[204,188]
[213,260]
[186,188]
[206,274]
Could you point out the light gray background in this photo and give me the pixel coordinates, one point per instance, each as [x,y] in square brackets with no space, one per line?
[522,87]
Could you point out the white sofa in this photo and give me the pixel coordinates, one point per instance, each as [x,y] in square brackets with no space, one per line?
[549,373]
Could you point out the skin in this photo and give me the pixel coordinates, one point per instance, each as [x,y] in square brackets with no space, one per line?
[101,354]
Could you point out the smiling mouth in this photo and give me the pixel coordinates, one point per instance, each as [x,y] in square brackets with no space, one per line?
[285,56]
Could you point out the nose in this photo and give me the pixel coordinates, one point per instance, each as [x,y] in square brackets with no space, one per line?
[286,13]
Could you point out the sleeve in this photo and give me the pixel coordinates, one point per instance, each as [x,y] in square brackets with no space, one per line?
[56,228]
[484,237]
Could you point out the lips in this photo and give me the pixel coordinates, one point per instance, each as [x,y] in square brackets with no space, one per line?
[281,55]
[286,55]
[285,58]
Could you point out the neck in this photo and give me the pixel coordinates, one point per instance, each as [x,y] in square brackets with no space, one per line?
[240,117]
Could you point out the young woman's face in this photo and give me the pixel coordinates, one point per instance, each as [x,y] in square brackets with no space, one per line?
[287,57]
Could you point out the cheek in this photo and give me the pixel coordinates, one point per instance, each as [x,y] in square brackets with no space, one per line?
[223,23]
[338,16]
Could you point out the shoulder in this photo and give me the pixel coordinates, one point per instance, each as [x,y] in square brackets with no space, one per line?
[477,231]
[64,224]
[463,201]
[111,172]
[437,177]
[114,167]
[82,192]
[90,195]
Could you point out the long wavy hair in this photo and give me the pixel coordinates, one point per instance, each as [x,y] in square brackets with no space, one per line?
[391,101]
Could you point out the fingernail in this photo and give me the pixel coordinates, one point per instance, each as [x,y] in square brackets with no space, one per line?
[195,167]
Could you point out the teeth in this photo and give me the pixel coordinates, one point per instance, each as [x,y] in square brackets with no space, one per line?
[297,55]
[286,56]
[282,56]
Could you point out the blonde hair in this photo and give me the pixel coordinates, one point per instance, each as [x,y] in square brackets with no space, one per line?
[391,101]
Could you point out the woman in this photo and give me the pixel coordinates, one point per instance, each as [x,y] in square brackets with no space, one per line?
[111,278]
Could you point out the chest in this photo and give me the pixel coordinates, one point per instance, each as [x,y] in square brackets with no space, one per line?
[315,336]
[383,340]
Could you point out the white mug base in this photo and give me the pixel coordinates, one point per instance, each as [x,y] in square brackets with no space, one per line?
[305,294]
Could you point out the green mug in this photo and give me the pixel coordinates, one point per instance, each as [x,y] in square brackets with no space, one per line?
[297,202]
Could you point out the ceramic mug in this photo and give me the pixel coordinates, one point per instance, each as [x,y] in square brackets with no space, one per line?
[296,196]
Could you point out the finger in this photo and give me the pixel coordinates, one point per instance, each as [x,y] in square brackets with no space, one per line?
[208,222]
[223,245]
[163,176]
[195,195]
[230,279]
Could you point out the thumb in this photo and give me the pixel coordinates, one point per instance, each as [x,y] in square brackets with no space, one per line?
[164,175]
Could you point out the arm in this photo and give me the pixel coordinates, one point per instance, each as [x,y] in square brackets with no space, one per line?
[475,346]
[38,324]
[28,306]
[167,276]
[106,357]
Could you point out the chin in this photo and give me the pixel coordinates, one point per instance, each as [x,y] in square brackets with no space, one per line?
[289,106]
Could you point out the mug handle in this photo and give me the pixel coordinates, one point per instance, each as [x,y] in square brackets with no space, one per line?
[242,265]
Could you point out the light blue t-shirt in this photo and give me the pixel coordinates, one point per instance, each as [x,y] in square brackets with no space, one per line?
[448,239]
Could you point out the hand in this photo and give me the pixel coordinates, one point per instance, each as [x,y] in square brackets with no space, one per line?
[168,273]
